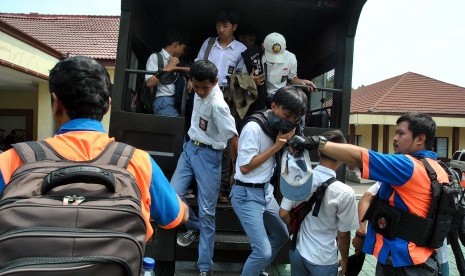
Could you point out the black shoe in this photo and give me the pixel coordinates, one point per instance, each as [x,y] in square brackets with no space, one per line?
[187,238]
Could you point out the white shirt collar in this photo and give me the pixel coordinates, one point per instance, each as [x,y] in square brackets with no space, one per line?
[231,45]
[215,90]
[325,170]
[165,53]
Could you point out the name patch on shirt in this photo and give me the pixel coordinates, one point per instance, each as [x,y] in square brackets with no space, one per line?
[230,69]
[203,124]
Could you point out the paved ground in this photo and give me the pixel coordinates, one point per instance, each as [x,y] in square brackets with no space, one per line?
[224,269]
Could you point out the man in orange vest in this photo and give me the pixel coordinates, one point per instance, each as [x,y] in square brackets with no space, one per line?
[80,89]
[406,186]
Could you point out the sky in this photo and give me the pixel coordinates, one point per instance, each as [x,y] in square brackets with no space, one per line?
[393,36]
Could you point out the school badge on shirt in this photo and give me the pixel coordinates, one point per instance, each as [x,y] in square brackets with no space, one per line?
[230,69]
[203,124]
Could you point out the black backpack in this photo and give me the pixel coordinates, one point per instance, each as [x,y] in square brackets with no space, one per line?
[429,231]
[444,204]
[300,212]
[59,217]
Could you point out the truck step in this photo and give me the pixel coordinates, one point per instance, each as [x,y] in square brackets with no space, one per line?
[226,241]
[229,247]
[226,219]
[185,268]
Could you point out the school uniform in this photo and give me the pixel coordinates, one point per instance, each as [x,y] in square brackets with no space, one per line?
[211,127]
[277,75]
[165,101]
[316,248]
[256,207]
[228,60]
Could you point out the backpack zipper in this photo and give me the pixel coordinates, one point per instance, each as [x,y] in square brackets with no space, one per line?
[60,199]
[26,263]
[69,233]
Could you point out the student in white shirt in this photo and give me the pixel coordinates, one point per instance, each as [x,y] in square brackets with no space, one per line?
[280,66]
[320,238]
[226,50]
[211,127]
[165,102]
[225,53]
[252,195]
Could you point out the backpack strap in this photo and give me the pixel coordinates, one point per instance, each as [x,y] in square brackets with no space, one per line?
[261,119]
[305,207]
[122,155]
[318,195]
[33,151]
[211,41]
[160,59]
[115,153]
[435,187]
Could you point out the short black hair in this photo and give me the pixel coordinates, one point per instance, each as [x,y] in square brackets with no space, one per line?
[420,123]
[227,16]
[336,136]
[202,70]
[247,30]
[173,37]
[83,87]
[292,99]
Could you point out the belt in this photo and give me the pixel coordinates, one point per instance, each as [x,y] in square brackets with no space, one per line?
[250,185]
[202,145]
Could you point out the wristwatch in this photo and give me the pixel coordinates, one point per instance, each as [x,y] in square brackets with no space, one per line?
[322,143]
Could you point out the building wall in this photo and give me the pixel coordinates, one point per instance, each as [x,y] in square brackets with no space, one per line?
[21,100]
[446,132]
[462,138]
[366,132]
[22,54]
[44,116]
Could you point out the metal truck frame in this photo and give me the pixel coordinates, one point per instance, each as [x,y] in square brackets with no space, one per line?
[319,32]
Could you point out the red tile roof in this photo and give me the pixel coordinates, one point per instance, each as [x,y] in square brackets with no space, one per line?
[94,36]
[409,92]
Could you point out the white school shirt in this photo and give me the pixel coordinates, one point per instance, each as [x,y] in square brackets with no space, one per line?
[152,65]
[279,74]
[211,122]
[224,58]
[316,240]
[252,142]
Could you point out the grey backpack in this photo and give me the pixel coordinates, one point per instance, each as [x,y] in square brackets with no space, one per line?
[59,217]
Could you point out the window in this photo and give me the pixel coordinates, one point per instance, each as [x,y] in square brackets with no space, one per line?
[462,157]
[358,140]
[442,147]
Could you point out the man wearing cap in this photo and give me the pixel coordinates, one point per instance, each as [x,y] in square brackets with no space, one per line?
[279,66]
[264,135]
[320,237]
